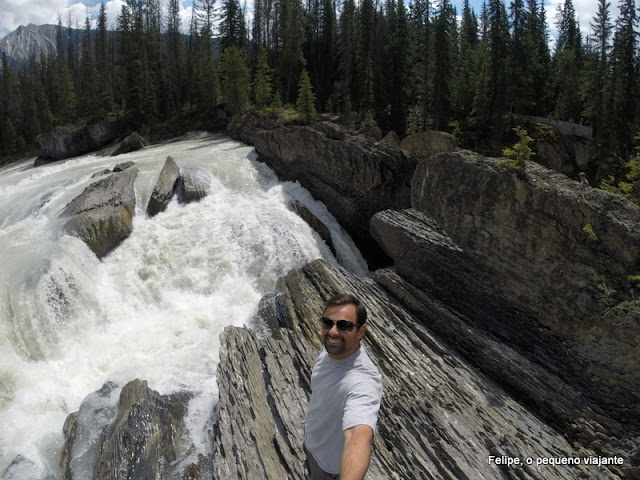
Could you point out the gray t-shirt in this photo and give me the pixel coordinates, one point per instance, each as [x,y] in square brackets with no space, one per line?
[345,393]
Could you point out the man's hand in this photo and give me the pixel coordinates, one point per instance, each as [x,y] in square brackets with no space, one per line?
[356,453]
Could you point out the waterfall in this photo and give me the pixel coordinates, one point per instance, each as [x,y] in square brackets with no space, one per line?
[151,309]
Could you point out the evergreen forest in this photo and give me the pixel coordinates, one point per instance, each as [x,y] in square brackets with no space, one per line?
[406,67]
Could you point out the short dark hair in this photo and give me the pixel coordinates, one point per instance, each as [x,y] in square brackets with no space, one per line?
[349,299]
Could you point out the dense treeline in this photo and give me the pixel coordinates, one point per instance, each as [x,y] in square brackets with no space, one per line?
[405,67]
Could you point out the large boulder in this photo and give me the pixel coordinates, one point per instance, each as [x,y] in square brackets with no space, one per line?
[195,184]
[355,178]
[556,253]
[144,426]
[164,188]
[102,215]
[428,143]
[130,144]
[65,142]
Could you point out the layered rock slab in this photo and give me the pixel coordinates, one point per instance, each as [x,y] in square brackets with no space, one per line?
[528,239]
[441,417]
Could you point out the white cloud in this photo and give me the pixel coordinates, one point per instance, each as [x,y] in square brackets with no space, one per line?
[23,12]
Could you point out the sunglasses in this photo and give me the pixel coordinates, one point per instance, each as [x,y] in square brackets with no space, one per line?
[343,325]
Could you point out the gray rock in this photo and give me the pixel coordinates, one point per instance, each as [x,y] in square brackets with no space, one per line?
[102,215]
[315,223]
[374,133]
[194,184]
[392,139]
[165,187]
[130,144]
[122,166]
[525,239]
[353,178]
[65,142]
[441,416]
[428,143]
[144,438]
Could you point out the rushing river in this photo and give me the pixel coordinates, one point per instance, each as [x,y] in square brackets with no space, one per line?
[154,307]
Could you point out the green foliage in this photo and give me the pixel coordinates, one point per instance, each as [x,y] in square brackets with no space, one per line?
[588,229]
[519,154]
[629,189]
[635,280]
[629,306]
[305,105]
[262,84]
[276,106]
[234,80]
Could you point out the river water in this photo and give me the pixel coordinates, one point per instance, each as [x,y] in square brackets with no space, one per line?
[154,307]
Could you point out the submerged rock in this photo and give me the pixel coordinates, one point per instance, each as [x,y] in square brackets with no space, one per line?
[194,184]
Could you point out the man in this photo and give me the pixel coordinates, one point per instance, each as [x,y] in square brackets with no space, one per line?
[583,179]
[346,391]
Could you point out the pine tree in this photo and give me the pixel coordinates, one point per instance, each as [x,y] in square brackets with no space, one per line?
[364,60]
[262,84]
[10,108]
[467,62]
[537,48]
[624,93]
[88,101]
[444,36]
[490,101]
[234,75]
[346,55]
[232,28]
[598,65]
[104,70]
[306,98]
[399,70]
[175,53]
[568,65]
[292,35]
[521,78]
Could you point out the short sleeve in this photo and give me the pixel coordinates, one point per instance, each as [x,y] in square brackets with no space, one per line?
[362,405]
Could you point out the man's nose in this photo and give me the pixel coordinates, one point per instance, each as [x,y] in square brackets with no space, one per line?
[334,330]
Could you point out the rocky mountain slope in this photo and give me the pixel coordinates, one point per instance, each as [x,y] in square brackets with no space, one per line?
[26,43]
[504,326]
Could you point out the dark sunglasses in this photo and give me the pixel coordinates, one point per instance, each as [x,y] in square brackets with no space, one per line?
[343,325]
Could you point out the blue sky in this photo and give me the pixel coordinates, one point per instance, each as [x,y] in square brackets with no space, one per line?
[14,13]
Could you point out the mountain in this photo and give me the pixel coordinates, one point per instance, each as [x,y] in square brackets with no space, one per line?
[26,43]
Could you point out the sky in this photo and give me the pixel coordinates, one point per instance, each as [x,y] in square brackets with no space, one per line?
[14,13]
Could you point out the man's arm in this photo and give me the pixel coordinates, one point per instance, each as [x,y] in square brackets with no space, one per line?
[356,452]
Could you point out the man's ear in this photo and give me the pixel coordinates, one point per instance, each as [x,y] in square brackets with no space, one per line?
[362,330]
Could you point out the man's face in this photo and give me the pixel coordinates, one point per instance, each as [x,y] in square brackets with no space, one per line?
[340,345]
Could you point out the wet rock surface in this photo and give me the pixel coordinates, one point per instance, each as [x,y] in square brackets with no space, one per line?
[102,215]
[354,177]
[164,188]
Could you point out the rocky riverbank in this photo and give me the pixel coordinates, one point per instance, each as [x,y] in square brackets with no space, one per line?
[503,322]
